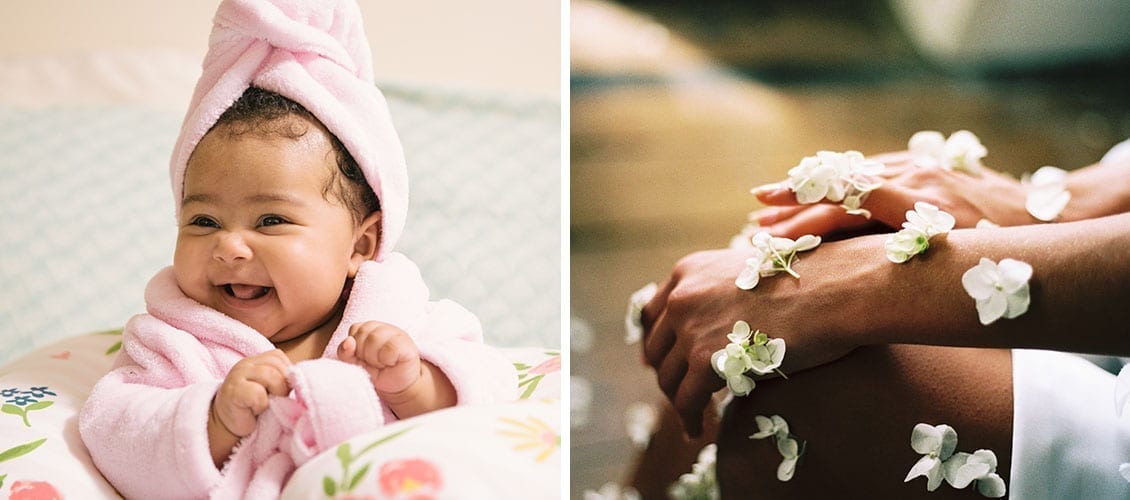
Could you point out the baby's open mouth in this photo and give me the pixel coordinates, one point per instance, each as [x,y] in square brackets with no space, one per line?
[246,292]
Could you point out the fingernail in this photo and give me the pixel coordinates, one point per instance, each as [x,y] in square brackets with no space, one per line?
[765,216]
[765,189]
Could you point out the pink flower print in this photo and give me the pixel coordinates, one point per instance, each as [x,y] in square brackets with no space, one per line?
[410,479]
[33,490]
[550,365]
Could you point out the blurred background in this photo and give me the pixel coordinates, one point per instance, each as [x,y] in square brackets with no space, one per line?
[679,108]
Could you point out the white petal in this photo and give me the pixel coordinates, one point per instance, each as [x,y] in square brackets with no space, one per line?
[640,420]
[1124,469]
[949,441]
[1014,273]
[992,308]
[1017,302]
[986,223]
[977,283]
[993,486]
[718,362]
[748,278]
[952,465]
[985,457]
[922,467]
[741,330]
[968,473]
[765,428]
[1048,176]
[926,439]
[942,223]
[786,470]
[1122,390]
[780,426]
[761,240]
[633,324]
[788,447]
[807,242]
[740,385]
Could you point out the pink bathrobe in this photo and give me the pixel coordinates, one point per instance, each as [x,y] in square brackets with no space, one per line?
[145,422]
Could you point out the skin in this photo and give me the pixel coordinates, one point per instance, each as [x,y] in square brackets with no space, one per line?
[901,334]
[259,242]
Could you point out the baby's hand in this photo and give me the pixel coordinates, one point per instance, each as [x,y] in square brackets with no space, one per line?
[386,352]
[243,394]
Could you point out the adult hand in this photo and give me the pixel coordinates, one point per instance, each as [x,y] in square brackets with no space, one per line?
[694,309]
[969,197]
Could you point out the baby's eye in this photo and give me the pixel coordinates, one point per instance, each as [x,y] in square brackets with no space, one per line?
[271,220]
[204,221]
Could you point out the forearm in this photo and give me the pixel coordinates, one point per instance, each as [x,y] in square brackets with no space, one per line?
[432,391]
[221,441]
[1098,190]
[1079,290]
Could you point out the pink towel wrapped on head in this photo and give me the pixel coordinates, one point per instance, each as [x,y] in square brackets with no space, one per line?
[315,53]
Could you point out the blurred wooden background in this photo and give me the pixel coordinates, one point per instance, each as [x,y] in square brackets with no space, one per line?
[678,109]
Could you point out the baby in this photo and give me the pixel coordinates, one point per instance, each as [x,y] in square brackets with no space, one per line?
[287,214]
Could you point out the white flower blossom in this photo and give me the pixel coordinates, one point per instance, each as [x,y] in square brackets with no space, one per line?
[840,177]
[1047,193]
[789,448]
[1124,469]
[790,453]
[922,223]
[633,322]
[580,401]
[701,483]
[640,420]
[936,443]
[739,357]
[962,151]
[770,426]
[1000,290]
[962,469]
[772,254]
[612,491]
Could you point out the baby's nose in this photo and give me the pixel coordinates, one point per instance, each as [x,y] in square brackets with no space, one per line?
[231,247]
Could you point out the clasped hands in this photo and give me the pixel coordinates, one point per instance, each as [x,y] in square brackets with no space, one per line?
[825,313]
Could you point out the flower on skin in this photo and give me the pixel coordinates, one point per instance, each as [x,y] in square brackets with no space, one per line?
[789,448]
[936,443]
[840,177]
[739,357]
[922,223]
[962,151]
[702,482]
[633,321]
[1000,290]
[962,469]
[1047,193]
[773,254]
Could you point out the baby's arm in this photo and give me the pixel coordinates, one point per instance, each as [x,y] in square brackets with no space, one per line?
[242,397]
[410,386]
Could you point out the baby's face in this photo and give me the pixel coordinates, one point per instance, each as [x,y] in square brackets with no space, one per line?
[257,240]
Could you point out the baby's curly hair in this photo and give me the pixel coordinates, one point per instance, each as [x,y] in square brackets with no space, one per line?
[262,111]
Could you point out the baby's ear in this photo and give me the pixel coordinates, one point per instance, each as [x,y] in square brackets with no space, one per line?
[366,242]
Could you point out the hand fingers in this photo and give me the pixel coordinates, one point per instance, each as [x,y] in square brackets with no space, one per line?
[771,215]
[380,345]
[347,351]
[817,219]
[657,345]
[270,376]
[690,401]
[777,194]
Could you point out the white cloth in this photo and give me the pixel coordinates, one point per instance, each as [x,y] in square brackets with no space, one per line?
[1067,441]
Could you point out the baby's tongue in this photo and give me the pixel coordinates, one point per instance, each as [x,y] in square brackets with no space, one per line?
[248,291]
